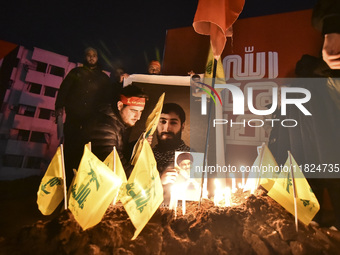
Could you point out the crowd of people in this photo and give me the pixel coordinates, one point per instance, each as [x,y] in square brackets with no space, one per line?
[102,113]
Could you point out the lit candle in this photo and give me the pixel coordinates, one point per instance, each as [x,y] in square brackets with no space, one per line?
[183,205]
[218,193]
[233,183]
[227,196]
[173,200]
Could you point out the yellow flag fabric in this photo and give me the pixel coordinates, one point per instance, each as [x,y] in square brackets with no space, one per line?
[269,169]
[51,189]
[282,192]
[209,67]
[143,192]
[110,161]
[263,170]
[94,188]
[153,118]
[137,149]
[150,128]
[118,169]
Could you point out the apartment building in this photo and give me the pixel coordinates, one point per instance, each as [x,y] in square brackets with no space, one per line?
[28,134]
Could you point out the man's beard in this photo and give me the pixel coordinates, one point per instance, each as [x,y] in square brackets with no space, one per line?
[169,143]
[91,65]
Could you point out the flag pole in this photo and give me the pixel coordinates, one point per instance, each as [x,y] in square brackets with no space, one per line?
[114,159]
[208,132]
[261,161]
[114,170]
[64,175]
[294,191]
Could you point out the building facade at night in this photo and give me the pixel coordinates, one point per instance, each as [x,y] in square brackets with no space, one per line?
[28,135]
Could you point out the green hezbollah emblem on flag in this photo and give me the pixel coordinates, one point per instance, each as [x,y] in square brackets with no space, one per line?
[84,189]
[50,192]
[143,197]
[209,67]
[95,187]
[143,193]
[53,181]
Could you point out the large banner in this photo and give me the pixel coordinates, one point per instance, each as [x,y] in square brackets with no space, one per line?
[262,52]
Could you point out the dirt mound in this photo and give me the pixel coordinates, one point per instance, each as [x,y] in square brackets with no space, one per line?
[257,226]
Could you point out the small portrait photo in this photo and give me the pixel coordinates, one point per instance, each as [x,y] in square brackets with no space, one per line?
[184,163]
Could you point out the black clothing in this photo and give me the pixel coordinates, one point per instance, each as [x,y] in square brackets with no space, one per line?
[165,156]
[108,130]
[326,16]
[81,93]
[316,139]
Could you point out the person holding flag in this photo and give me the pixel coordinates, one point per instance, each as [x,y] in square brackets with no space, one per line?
[112,125]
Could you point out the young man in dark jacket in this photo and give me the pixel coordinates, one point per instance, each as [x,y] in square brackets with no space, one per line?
[112,126]
[83,91]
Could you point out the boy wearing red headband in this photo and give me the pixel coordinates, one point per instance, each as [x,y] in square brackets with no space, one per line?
[112,126]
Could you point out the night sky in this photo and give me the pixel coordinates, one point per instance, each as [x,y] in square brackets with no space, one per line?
[127,33]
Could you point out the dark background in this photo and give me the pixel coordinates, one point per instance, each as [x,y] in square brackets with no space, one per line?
[127,33]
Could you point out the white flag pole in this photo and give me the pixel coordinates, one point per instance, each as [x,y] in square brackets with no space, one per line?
[114,159]
[260,166]
[64,175]
[294,192]
[114,170]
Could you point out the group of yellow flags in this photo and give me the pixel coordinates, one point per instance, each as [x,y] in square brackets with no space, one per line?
[293,193]
[287,187]
[97,184]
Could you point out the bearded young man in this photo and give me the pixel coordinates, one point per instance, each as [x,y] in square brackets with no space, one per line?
[169,137]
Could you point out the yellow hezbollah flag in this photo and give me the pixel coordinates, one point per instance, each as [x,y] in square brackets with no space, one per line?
[150,127]
[268,168]
[209,67]
[282,192]
[153,119]
[94,188]
[262,171]
[113,162]
[143,192]
[51,190]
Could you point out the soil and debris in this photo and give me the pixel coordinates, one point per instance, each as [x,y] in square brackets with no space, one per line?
[257,225]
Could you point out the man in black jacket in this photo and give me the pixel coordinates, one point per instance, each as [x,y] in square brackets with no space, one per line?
[112,126]
[326,18]
[83,91]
